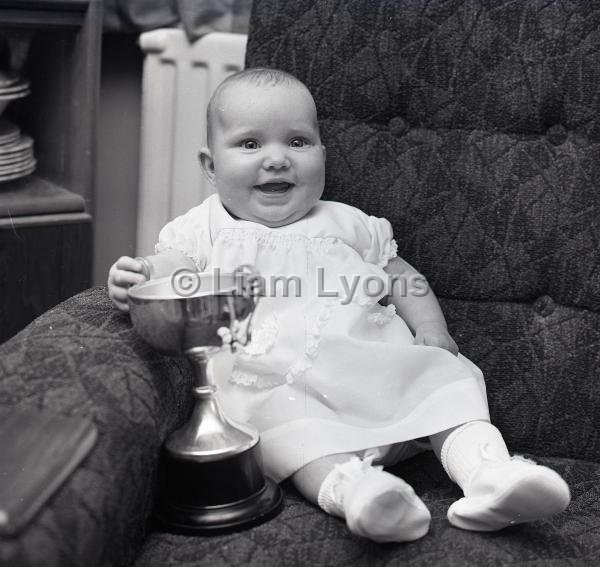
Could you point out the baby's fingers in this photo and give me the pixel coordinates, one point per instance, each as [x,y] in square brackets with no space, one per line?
[129,264]
[121,305]
[118,296]
[124,278]
[452,347]
[429,340]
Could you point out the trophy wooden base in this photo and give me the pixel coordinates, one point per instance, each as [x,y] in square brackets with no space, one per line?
[199,496]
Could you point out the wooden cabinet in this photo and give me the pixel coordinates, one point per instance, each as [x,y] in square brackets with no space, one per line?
[46,218]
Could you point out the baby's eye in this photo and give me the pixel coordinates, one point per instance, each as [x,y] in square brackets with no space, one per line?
[298,143]
[250,144]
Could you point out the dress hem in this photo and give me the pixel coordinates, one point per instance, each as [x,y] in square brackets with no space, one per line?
[288,447]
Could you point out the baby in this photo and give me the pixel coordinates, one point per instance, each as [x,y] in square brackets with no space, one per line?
[338,384]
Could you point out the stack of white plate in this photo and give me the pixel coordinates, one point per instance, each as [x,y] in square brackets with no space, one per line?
[16,152]
[12,86]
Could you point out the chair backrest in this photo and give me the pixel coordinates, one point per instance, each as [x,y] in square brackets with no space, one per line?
[473,126]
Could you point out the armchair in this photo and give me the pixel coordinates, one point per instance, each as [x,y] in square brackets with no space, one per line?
[473,127]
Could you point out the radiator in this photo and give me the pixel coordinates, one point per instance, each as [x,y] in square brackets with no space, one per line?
[178,80]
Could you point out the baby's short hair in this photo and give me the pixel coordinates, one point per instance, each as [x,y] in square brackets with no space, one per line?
[258,76]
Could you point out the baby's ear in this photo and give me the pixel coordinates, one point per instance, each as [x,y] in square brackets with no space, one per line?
[208,164]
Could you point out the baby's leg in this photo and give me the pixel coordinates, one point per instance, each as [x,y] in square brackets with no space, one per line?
[499,490]
[375,504]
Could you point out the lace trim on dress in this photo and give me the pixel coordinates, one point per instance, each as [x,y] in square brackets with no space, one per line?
[262,342]
[276,240]
[313,341]
[391,251]
[242,378]
[263,339]
[364,300]
[381,315]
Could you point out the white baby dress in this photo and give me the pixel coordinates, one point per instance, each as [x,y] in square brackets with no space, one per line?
[328,370]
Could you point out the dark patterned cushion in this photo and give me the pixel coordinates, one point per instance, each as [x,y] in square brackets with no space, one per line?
[540,362]
[303,535]
[83,358]
[468,64]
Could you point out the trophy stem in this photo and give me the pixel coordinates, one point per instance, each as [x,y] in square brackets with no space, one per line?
[199,357]
[208,434]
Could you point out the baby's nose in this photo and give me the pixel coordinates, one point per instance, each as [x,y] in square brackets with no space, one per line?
[276,159]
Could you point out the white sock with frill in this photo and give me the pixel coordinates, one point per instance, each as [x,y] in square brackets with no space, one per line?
[376,504]
[499,490]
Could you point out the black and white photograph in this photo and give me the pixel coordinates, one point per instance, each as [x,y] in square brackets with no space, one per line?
[299,283]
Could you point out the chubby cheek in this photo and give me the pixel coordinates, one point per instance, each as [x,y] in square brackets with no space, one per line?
[314,168]
[232,167]
[316,180]
[232,176]
[319,180]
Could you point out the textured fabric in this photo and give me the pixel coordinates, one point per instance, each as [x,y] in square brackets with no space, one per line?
[483,215]
[304,535]
[470,64]
[540,361]
[325,375]
[83,358]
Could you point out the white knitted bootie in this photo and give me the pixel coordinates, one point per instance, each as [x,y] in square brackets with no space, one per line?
[376,505]
[500,490]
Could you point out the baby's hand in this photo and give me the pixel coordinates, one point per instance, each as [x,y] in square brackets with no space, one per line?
[435,334]
[124,273]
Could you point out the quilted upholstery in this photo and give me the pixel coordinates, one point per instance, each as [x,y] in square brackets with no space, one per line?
[473,126]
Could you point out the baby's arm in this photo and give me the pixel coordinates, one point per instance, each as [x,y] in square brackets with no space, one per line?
[419,307]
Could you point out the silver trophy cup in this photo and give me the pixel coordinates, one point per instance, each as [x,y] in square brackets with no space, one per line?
[211,477]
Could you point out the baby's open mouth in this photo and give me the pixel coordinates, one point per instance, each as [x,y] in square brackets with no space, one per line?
[274,187]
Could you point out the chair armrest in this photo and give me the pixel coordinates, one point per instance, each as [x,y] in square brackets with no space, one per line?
[83,358]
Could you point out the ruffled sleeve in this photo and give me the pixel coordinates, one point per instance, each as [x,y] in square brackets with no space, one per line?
[371,237]
[381,246]
[189,234]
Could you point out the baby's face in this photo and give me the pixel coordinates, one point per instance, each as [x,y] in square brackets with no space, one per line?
[268,163]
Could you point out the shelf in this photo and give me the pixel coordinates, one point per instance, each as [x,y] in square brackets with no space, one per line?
[33,195]
[43,13]
[45,220]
